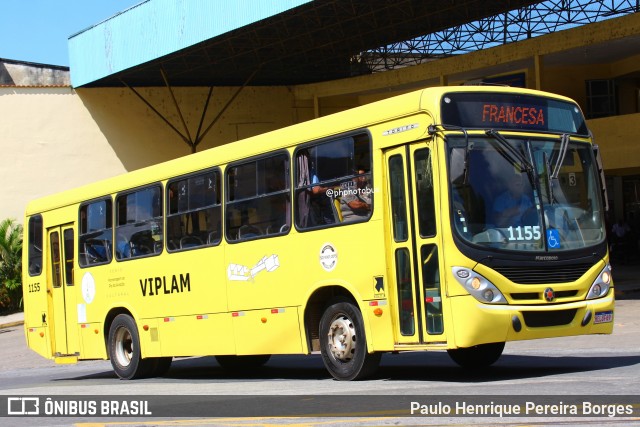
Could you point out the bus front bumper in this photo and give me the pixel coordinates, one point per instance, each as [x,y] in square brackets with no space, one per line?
[476,323]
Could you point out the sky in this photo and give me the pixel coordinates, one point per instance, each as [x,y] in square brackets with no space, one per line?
[38,30]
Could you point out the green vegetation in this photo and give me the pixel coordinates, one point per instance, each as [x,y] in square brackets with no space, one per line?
[10,266]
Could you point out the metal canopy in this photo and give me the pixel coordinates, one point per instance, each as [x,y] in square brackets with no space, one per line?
[317,41]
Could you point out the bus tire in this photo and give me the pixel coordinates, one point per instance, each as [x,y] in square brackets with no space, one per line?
[478,356]
[242,362]
[343,343]
[124,349]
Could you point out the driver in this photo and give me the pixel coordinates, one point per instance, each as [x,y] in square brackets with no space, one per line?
[510,206]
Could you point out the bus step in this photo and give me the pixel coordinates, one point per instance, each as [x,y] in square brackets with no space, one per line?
[66,359]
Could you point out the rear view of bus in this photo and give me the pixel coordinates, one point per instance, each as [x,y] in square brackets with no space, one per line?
[526,199]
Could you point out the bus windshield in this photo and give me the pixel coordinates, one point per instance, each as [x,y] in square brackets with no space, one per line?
[522,194]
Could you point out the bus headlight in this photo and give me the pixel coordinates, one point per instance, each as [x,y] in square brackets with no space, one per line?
[481,289]
[601,285]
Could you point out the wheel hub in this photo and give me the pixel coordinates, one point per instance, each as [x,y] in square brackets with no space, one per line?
[342,338]
[124,347]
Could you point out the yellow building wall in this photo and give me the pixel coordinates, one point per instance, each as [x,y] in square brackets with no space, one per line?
[141,137]
[53,139]
[49,142]
[570,81]
[618,140]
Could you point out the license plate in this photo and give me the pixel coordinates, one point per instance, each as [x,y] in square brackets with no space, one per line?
[603,317]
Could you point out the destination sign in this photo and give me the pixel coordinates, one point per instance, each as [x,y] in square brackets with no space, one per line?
[487,110]
[510,114]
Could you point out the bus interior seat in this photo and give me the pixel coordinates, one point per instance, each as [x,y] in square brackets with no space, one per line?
[96,251]
[142,243]
[274,229]
[213,237]
[190,242]
[246,231]
[337,211]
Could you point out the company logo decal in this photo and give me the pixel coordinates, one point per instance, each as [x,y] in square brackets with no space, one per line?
[328,257]
[549,295]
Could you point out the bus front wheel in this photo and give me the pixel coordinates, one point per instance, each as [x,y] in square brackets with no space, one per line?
[343,343]
[478,356]
[124,349]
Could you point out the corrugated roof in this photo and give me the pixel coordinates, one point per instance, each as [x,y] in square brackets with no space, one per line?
[157,28]
[205,43]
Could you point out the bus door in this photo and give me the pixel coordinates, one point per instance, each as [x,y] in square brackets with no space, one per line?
[414,255]
[60,282]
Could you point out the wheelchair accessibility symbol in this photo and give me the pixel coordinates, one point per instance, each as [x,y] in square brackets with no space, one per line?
[553,239]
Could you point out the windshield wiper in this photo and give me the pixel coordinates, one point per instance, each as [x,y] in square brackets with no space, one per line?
[548,180]
[468,146]
[552,176]
[564,146]
[513,155]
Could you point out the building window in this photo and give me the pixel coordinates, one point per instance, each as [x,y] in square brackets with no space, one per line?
[601,98]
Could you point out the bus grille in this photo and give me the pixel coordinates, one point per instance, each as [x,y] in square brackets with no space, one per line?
[546,274]
[521,296]
[540,319]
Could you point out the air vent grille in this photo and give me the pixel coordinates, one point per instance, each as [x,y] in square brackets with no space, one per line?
[544,274]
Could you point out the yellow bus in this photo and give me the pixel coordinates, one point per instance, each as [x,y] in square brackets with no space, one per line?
[453,218]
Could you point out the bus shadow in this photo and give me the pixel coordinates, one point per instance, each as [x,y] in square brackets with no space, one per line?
[278,367]
[414,366]
[206,368]
[438,367]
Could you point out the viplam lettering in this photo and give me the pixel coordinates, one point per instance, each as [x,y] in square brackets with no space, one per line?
[165,285]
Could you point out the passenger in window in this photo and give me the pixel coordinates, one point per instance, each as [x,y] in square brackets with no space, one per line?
[355,198]
[310,198]
[123,248]
[322,213]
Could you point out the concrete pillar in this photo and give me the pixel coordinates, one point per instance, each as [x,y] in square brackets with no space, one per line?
[537,69]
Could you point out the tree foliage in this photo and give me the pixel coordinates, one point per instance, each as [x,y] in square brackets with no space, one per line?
[10,265]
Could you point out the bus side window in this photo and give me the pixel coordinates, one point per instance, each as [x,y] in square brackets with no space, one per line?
[424,190]
[333,182]
[95,240]
[139,223]
[35,245]
[258,198]
[194,211]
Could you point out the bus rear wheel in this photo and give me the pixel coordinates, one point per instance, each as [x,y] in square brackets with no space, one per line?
[478,356]
[343,343]
[124,349]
